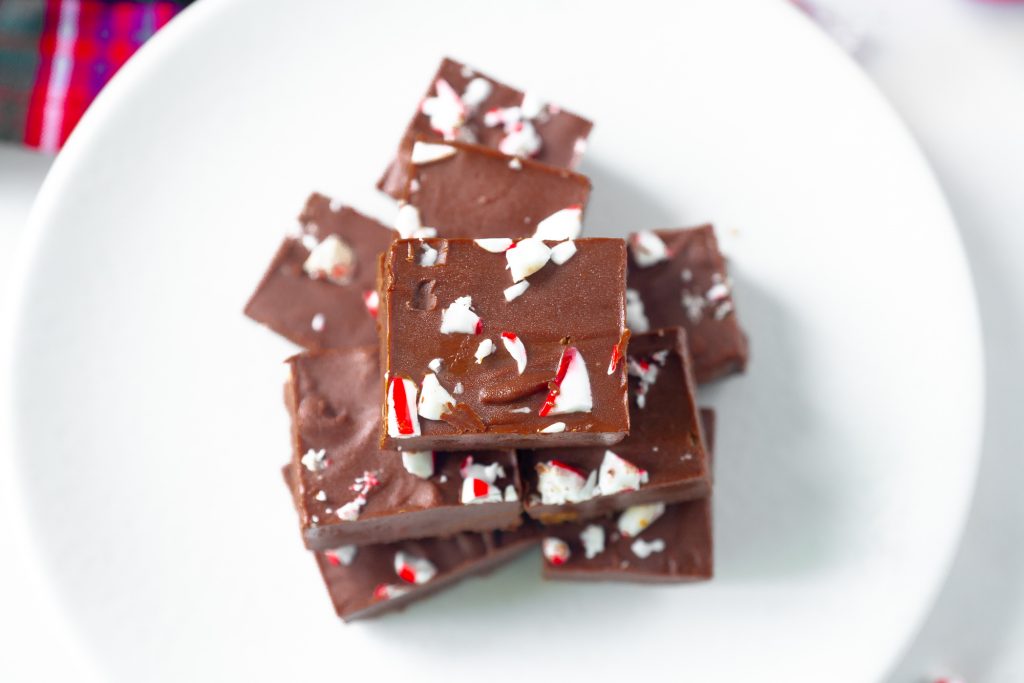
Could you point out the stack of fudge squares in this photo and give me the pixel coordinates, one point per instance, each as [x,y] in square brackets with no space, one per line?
[480,380]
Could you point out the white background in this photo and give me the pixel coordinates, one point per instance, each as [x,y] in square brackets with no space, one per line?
[955,71]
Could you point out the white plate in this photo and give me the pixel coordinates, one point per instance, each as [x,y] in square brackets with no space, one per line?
[147,416]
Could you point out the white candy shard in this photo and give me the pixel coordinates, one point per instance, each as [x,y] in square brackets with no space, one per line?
[435,365]
[592,538]
[402,419]
[435,400]
[342,555]
[694,305]
[407,221]
[559,483]
[419,463]
[372,301]
[636,318]
[526,257]
[639,517]
[458,388]
[553,428]
[495,245]
[446,110]
[516,349]
[717,291]
[479,491]
[556,551]
[521,140]
[516,290]
[332,259]
[428,152]
[429,255]
[317,323]
[647,372]
[511,495]
[473,470]
[643,549]
[562,252]
[648,248]
[485,349]
[574,394]
[477,90]
[618,474]
[459,318]
[314,461]
[566,224]
[531,106]
[515,164]
[413,569]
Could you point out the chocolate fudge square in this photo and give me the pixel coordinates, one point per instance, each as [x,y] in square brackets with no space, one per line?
[678,277]
[348,491]
[320,290]
[663,460]
[464,104]
[463,190]
[653,543]
[364,581]
[502,344]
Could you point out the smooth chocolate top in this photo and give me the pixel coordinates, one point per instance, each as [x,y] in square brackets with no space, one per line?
[578,304]
[334,399]
[665,439]
[691,288]
[563,134]
[479,192]
[315,312]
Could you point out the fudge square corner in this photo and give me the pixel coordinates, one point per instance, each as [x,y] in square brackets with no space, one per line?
[503,344]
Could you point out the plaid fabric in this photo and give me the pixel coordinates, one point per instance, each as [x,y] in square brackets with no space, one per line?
[56,55]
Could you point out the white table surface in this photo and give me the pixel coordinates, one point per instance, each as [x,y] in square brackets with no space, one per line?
[954,69]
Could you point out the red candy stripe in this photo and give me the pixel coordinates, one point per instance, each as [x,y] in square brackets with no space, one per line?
[563,366]
[398,397]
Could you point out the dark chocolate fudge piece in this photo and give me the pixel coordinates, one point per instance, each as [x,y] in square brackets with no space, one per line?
[654,543]
[663,460]
[462,190]
[320,289]
[348,491]
[678,277]
[464,104]
[490,343]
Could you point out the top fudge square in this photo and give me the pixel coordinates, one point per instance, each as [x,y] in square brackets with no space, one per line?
[503,344]
[465,105]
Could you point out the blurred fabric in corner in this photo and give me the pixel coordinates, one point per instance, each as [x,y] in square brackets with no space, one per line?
[56,56]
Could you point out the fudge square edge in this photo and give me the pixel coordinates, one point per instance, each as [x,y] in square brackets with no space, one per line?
[501,344]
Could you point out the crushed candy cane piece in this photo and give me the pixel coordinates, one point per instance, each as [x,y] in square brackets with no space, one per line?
[717,291]
[643,549]
[637,518]
[722,310]
[477,90]
[459,318]
[387,591]
[479,491]
[618,474]
[562,252]
[446,110]
[435,365]
[495,245]
[349,512]
[428,152]
[694,305]
[565,224]
[419,463]
[317,323]
[372,301]
[489,473]
[485,349]
[636,317]
[647,372]
[556,551]
[559,483]
[314,461]
[516,290]
[553,428]
[521,140]
[515,164]
[402,420]
[592,538]
[648,248]
[413,569]
[332,259]
[511,495]
[526,257]
[616,357]
[429,255]
[572,386]
[458,388]
[515,347]
[341,556]
[435,400]
[321,495]
[407,221]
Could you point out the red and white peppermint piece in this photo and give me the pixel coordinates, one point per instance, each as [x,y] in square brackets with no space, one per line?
[613,364]
[526,257]
[387,591]
[429,152]
[516,290]
[643,549]
[332,259]
[556,551]
[402,419]
[562,252]
[637,518]
[489,473]
[479,491]
[516,349]
[553,428]
[362,485]
[572,386]
[648,248]
[477,90]
[495,245]
[592,539]
[565,224]
[459,318]
[434,400]
[485,349]
[413,569]
[372,301]
[647,372]
[618,474]
[521,140]
[419,463]
[446,110]
[717,291]
[341,556]
[315,460]
[559,483]
[636,317]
